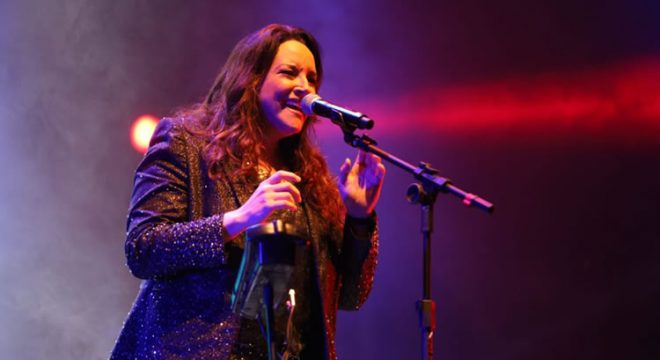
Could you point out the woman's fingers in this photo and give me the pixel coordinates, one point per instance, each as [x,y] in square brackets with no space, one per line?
[344,169]
[371,161]
[282,195]
[360,158]
[374,160]
[381,170]
[286,203]
[287,188]
[282,175]
[281,181]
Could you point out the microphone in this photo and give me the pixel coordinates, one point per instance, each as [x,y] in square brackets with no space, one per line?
[313,104]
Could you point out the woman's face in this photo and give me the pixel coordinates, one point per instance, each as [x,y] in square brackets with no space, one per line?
[291,76]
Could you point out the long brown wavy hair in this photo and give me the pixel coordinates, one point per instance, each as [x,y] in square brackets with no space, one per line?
[231,120]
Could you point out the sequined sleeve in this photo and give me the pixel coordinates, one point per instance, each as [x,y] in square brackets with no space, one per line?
[161,240]
[358,261]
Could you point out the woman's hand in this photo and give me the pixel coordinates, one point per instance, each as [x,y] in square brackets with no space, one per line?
[275,193]
[360,184]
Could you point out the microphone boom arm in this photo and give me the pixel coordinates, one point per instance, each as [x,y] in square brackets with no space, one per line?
[424,173]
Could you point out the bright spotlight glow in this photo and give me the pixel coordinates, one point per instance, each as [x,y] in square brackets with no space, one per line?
[619,101]
[141,130]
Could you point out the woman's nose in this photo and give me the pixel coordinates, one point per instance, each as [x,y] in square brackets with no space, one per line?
[303,87]
[301,92]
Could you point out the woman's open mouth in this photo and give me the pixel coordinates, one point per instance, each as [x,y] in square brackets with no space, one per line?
[293,107]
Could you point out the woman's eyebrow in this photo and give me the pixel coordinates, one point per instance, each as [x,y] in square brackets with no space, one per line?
[294,66]
[289,65]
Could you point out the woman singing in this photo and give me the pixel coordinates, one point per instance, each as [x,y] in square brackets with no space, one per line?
[242,157]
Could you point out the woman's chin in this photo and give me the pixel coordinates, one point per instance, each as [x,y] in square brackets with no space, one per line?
[291,128]
[283,133]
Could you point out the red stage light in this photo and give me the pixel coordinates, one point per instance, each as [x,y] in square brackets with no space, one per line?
[141,130]
[617,101]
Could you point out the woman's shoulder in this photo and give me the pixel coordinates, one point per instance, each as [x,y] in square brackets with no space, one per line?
[171,140]
[177,129]
[172,126]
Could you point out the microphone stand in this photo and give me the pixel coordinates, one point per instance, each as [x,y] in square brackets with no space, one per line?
[424,192]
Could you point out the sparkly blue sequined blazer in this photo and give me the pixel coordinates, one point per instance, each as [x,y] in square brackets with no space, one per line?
[175,244]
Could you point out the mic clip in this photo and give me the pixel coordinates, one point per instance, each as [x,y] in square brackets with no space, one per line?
[362,140]
[348,128]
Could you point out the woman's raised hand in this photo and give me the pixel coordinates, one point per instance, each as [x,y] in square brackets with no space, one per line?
[275,193]
[360,184]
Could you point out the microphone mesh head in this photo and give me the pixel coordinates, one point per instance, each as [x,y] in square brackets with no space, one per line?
[307,103]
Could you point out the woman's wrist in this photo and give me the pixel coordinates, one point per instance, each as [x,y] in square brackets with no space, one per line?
[361,228]
[359,213]
[233,223]
[361,218]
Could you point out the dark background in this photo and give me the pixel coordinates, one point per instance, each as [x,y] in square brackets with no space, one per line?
[550,109]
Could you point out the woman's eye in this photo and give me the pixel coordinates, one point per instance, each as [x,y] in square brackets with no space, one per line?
[288,72]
